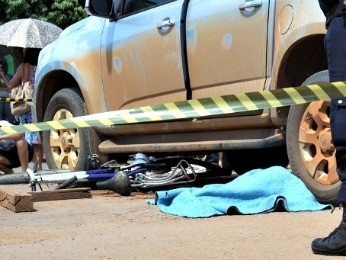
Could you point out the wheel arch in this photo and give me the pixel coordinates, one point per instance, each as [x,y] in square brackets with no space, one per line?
[49,85]
[302,60]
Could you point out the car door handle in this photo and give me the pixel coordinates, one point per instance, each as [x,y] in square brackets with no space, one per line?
[165,25]
[249,4]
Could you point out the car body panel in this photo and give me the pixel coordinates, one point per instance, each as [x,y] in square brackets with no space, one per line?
[141,66]
[78,61]
[222,44]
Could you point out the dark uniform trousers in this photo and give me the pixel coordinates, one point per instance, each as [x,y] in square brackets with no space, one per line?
[335,43]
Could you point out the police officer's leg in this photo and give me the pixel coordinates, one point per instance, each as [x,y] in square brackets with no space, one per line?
[335,243]
[336,52]
[338,129]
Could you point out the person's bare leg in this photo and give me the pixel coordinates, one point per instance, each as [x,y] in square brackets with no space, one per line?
[38,156]
[23,153]
[4,165]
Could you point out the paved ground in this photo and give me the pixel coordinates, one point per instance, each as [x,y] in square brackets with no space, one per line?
[109,226]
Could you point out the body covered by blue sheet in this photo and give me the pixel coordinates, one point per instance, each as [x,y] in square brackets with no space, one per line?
[257,191]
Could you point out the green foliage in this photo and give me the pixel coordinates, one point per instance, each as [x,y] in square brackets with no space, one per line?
[60,12]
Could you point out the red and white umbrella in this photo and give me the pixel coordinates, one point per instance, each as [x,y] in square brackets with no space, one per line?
[28,33]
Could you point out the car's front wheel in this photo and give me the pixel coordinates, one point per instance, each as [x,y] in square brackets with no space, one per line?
[309,145]
[66,148]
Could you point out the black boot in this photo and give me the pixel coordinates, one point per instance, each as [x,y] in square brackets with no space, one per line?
[335,243]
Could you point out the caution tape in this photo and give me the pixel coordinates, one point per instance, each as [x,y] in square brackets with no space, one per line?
[8,99]
[195,108]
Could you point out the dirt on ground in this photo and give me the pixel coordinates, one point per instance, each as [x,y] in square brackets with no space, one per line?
[110,226]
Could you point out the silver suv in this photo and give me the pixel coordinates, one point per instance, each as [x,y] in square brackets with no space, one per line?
[136,53]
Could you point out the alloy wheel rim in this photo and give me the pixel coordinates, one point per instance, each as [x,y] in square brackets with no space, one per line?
[64,143]
[315,143]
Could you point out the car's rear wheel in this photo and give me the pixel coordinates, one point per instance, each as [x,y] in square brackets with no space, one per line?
[309,145]
[66,148]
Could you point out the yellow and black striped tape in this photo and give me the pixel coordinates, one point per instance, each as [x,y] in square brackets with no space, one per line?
[8,99]
[195,108]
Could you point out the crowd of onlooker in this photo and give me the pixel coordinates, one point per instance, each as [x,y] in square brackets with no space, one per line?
[17,68]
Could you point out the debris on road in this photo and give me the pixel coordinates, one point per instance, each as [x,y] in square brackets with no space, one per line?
[16,201]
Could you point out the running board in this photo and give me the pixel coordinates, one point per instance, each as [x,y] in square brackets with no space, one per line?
[112,146]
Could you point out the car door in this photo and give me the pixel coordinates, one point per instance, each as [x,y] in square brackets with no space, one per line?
[141,56]
[227,46]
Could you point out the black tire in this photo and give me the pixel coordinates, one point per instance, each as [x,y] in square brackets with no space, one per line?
[67,148]
[309,145]
[15,178]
